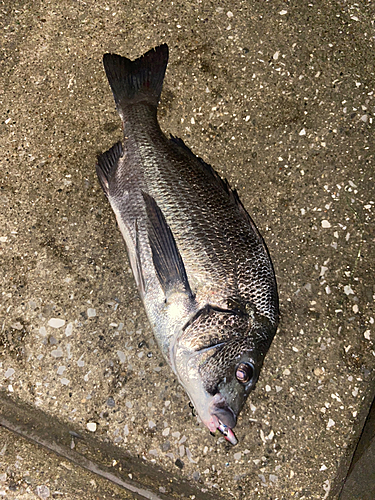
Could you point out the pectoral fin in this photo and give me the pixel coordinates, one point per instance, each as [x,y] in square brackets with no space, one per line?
[166,257]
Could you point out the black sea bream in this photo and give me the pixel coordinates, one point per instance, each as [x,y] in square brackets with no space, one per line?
[201,267]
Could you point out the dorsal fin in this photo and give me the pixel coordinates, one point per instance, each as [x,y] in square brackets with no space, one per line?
[107,164]
[222,183]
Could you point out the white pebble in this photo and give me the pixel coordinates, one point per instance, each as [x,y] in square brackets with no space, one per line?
[80,362]
[323,467]
[283,12]
[69,329]
[268,388]
[355,308]
[229,14]
[302,132]
[276,55]
[331,423]
[3,239]
[43,331]
[151,424]
[367,334]
[189,455]
[348,290]
[181,450]
[16,326]
[91,426]
[91,312]
[42,491]
[9,372]
[328,290]
[237,456]
[323,270]
[278,388]
[326,224]
[286,371]
[121,356]
[166,431]
[126,430]
[65,381]
[69,354]
[57,353]
[56,322]
[61,370]
[270,436]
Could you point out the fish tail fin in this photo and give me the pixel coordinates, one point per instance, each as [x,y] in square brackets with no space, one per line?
[133,82]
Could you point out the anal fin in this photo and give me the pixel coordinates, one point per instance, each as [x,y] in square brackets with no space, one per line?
[166,257]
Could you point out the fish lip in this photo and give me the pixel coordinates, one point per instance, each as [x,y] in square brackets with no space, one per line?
[222,418]
[226,416]
[216,424]
[227,433]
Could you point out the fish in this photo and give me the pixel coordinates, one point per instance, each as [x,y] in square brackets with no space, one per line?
[201,267]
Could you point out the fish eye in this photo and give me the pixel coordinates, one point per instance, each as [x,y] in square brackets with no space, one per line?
[244,372]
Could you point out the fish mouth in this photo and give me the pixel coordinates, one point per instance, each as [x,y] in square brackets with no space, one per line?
[223,419]
[227,433]
[226,430]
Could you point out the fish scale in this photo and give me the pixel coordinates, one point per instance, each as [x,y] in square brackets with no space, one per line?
[202,269]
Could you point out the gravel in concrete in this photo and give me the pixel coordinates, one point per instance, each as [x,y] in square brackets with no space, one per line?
[279,98]
[28,472]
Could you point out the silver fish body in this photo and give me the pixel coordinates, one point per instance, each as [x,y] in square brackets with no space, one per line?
[201,267]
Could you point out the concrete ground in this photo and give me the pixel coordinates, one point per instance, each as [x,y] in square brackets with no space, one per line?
[279,98]
[28,472]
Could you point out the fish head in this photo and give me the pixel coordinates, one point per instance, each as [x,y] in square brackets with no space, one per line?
[218,359]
